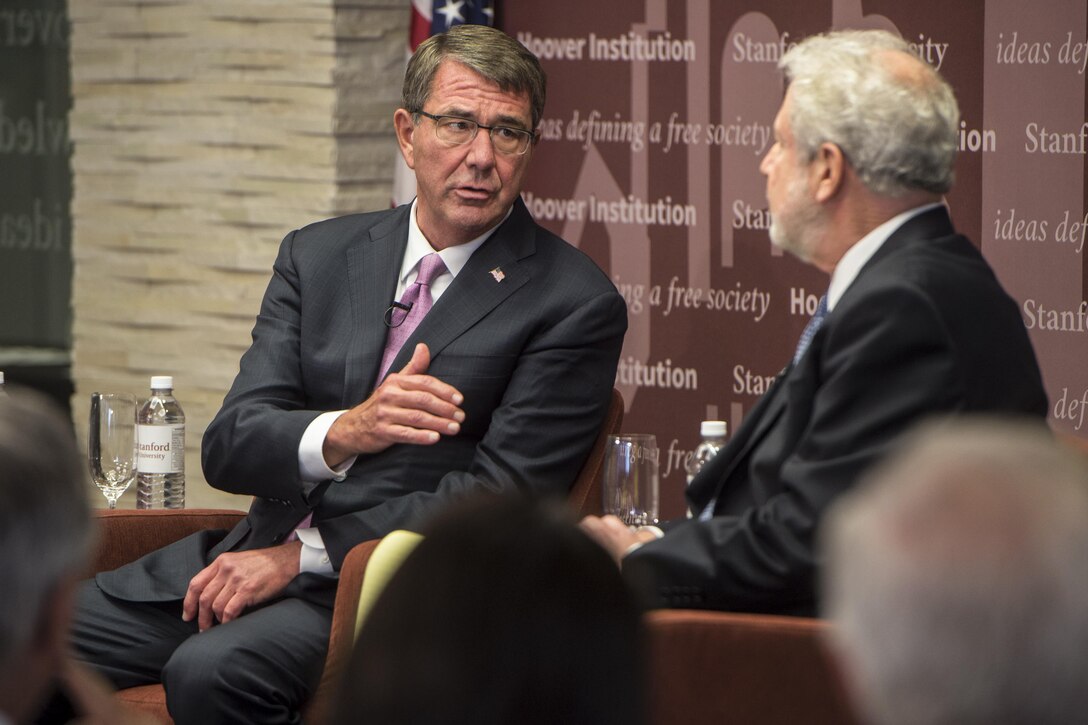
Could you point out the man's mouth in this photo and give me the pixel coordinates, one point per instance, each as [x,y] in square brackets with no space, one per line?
[473,193]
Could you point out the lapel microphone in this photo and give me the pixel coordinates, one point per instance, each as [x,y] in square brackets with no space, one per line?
[389,319]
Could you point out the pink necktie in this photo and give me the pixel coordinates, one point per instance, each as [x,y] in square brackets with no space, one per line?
[417,299]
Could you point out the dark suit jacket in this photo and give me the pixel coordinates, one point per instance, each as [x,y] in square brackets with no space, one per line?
[533,349]
[924,329]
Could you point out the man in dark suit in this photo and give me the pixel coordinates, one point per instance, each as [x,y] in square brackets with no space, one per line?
[502,386]
[916,325]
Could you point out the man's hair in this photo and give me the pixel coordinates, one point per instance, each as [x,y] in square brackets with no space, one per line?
[45,519]
[491,53]
[956,581]
[896,123]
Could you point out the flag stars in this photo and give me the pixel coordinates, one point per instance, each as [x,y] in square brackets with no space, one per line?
[451,11]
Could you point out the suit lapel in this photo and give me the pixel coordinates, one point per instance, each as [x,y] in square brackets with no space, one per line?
[492,274]
[372,267]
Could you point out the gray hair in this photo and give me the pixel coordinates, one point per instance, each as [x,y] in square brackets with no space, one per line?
[956,580]
[490,52]
[45,518]
[897,127]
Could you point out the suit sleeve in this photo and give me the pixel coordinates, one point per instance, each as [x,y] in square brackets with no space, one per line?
[873,370]
[251,446]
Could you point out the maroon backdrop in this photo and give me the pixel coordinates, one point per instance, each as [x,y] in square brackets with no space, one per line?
[658,114]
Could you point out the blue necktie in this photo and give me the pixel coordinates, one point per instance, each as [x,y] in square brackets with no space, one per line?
[810,329]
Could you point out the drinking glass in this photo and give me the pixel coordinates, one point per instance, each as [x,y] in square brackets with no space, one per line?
[631,479]
[112,443]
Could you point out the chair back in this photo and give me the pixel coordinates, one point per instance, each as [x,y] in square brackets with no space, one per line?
[585,494]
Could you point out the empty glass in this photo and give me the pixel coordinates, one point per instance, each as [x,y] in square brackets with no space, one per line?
[111,445]
[631,478]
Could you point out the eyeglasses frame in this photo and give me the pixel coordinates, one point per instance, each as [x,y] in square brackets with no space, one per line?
[490,130]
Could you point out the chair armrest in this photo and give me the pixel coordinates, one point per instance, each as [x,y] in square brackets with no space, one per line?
[342,635]
[728,667]
[125,535]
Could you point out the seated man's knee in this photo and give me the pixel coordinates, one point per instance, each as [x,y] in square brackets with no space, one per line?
[195,669]
[214,678]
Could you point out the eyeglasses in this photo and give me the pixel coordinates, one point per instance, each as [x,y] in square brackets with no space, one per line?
[455,131]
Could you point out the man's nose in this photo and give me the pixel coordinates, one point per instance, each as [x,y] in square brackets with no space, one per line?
[481,152]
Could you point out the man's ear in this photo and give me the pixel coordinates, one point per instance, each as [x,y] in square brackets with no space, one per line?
[402,122]
[829,166]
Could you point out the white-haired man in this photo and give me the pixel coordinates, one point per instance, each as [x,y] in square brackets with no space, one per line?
[913,324]
[956,581]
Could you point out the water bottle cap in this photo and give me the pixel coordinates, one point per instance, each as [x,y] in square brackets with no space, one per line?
[712,429]
[159,382]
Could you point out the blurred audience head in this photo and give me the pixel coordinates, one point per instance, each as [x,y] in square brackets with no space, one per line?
[505,613]
[894,117]
[956,581]
[490,52]
[45,535]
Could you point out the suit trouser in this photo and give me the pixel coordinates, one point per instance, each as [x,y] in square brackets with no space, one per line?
[259,668]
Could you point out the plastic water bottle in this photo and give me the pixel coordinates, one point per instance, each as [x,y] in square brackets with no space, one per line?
[160,463]
[3,393]
[713,434]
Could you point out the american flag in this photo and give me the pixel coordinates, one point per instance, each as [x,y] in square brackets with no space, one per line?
[430,17]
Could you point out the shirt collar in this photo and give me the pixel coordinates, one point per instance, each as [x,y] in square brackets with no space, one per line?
[455,257]
[846,271]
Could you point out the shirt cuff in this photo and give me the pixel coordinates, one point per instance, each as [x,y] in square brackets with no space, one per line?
[311,457]
[313,558]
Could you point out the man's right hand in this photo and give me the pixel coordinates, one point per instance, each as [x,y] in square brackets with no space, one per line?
[408,407]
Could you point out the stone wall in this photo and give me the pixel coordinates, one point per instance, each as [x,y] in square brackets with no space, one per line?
[204,131]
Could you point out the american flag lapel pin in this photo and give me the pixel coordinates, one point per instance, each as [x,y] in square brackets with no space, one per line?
[498,274]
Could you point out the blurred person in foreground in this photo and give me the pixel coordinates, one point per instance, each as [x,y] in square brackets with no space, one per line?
[914,324]
[45,538]
[505,613]
[956,581]
[343,425]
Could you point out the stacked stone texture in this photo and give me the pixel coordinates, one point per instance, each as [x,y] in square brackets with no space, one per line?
[203,131]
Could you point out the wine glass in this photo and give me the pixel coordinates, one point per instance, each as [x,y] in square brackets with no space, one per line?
[112,443]
[631,487]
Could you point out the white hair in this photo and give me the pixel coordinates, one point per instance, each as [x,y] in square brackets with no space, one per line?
[956,581]
[45,520]
[895,123]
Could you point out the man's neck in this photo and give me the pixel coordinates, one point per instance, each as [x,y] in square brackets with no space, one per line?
[860,213]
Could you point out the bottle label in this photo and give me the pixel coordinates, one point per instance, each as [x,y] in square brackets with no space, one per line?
[160,448]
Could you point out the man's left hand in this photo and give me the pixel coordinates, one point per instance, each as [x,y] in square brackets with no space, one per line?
[238,580]
[613,535]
